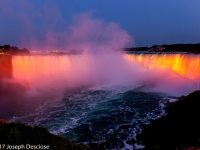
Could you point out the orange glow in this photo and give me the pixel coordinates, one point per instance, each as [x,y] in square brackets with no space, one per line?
[75,68]
[28,69]
[184,65]
[36,69]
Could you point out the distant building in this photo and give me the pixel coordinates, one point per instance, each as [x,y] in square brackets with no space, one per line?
[157,48]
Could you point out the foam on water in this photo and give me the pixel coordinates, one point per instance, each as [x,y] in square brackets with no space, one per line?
[98,116]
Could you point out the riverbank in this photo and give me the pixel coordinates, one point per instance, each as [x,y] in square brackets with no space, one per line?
[179,129]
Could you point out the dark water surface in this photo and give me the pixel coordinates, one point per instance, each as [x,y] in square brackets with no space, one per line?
[106,119]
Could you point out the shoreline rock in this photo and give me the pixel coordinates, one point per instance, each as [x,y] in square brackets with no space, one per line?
[20,134]
[179,129]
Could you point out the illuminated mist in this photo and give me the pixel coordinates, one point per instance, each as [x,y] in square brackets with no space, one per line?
[175,74]
[99,47]
[100,61]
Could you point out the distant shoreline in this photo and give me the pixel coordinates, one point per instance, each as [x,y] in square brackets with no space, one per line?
[155,49]
[155,52]
[172,48]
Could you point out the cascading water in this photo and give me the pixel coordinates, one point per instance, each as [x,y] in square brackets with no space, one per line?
[83,70]
[29,69]
[184,65]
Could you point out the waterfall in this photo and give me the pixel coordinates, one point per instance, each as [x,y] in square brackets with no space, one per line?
[36,68]
[5,66]
[82,70]
[185,65]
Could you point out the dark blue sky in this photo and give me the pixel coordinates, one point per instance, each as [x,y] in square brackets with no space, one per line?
[148,21]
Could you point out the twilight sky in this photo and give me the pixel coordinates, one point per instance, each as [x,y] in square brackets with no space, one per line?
[147,21]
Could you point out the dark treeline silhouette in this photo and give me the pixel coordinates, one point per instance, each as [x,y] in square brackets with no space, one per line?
[191,48]
[7,49]
[137,49]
